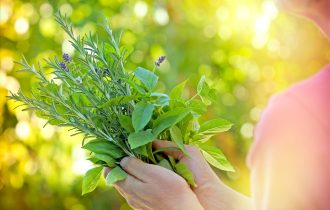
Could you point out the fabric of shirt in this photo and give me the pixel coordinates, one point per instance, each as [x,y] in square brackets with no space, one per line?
[290,156]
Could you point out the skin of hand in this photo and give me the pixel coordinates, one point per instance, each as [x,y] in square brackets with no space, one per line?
[150,186]
[153,187]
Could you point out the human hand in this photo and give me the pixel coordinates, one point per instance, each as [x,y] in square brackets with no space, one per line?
[210,191]
[150,186]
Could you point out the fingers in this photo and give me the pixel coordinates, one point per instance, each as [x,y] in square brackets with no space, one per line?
[140,170]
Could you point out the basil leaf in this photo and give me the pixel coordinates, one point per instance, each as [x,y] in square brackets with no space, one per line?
[214,126]
[177,91]
[215,157]
[146,77]
[184,171]
[176,136]
[126,122]
[104,147]
[91,179]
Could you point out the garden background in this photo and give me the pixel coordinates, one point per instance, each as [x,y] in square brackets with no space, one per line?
[247,49]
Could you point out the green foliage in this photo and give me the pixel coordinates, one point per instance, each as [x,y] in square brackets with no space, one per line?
[118,111]
[216,158]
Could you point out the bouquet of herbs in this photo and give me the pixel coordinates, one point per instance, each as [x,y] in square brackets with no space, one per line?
[119,112]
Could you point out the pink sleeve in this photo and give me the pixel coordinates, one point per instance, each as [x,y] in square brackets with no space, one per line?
[290,159]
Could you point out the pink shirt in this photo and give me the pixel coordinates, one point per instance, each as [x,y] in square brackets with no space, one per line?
[290,157]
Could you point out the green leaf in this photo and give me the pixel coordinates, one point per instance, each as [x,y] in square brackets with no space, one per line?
[110,161]
[177,91]
[183,170]
[116,174]
[164,163]
[140,138]
[197,107]
[142,114]
[168,119]
[126,122]
[146,77]
[176,136]
[201,85]
[215,157]
[142,150]
[214,126]
[104,147]
[118,100]
[91,179]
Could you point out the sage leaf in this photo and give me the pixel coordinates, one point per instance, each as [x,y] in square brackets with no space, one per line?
[140,138]
[116,174]
[215,157]
[104,147]
[111,162]
[146,77]
[142,114]
[126,122]
[91,179]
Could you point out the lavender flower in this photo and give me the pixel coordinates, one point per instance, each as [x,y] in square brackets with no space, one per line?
[63,66]
[66,57]
[160,60]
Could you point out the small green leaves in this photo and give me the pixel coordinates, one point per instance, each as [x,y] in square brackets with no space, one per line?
[177,91]
[176,136]
[141,115]
[140,138]
[146,77]
[215,126]
[216,158]
[116,174]
[91,179]
[118,100]
[182,169]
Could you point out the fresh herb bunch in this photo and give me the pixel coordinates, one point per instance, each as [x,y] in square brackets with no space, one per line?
[119,112]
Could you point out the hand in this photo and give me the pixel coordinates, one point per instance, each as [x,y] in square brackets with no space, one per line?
[153,187]
[210,191]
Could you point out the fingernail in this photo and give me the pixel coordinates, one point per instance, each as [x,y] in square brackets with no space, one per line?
[123,161]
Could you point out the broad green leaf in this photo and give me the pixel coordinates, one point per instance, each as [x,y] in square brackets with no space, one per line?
[169,119]
[164,163]
[177,91]
[116,174]
[197,107]
[91,179]
[104,147]
[214,126]
[160,99]
[201,85]
[142,150]
[126,122]
[146,77]
[142,114]
[216,158]
[140,138]
[183,170]
[110,161]
[135,86]
[176,136]
[118,100]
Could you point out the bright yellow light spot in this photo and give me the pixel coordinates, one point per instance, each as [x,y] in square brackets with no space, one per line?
[242,13]
[5,13]
[247,130]
[8,82]
[21,25]
[161,16]
[262,24]
[7,63]
[66,9]
[46,10]
[47,27]
[47,132]
[22,130]
[270,9]
[140,9]
[80,164]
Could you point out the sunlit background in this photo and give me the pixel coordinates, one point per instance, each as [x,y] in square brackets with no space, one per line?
[249,50]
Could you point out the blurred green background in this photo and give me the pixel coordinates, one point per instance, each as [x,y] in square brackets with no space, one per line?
[247,49]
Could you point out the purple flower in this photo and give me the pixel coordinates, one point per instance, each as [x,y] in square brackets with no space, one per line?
[66,57]
[63,66]
[160,60]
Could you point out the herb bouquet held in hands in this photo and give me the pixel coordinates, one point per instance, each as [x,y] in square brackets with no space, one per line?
[118,112]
